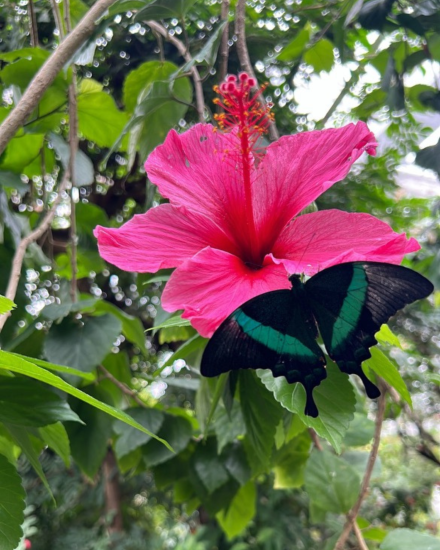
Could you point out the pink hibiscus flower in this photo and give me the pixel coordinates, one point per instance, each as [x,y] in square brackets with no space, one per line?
[231,228]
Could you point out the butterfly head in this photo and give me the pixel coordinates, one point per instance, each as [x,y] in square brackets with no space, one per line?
[296,280]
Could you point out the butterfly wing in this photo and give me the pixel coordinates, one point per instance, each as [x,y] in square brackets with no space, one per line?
[351,301]
[273,331]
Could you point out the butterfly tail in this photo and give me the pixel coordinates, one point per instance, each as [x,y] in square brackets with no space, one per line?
[311,409]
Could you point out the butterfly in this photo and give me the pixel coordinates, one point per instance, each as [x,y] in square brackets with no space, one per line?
[345,304]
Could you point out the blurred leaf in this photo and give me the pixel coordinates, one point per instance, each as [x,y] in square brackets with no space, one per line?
[6,305]
[84,171]
[19,396]
[290,462]
[10,362]
[320,56]
[360,431]
[385,368]
[12,505]
[175,321]
[358,460]
[228,426]
[89,443]
[429,157]
[240,512]
[21,151]
[208,466]
[334,398]
[55,437]
[129,438]
[81,344]
[261,415]
[177,431]
[407,539]
[294,49]
[234,460]
[386,336]
[331,482]
[374,13]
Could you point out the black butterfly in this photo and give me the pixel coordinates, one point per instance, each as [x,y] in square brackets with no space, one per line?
[348,303]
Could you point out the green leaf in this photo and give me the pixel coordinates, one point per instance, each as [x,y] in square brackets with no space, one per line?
[165,9]
[15,364]
[19,396]
[129,438]
[261,415]
[84,171]
[228,426]
[12,505]
[294,49]
[386,336]
[81,344]
[20,152]
[57,368]
[407,539]
[175,321]
[132,327]
[386,369]
[320,56]
[234,460]
[21,438]
[208,466]
[240,512]
[55,436]
[99,119]
[334,398]
[177,431]
[6,305]
[331,483]
[360,432]
[89,443]
[160,106]
[290,462]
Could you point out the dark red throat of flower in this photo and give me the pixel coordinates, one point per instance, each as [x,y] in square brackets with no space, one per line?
[245,113]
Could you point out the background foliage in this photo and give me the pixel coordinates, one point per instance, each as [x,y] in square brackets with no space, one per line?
[80,377]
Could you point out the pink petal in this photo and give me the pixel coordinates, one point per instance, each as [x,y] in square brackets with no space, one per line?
[315,241]
[212,284]
[162,237]
[196,170]
[297,169]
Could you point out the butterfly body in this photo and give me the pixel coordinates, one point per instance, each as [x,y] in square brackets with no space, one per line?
[345,304]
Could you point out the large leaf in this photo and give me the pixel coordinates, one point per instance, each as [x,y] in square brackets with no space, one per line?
[407,539]
[81,344]
[55,437]
[89,443]
[99,119]
[12,506]
[290,462]
[12,363]
[24,402]
[334,398]
[331,483]
[83,169]
[320,56]
[294,49]
[386,369]
[261,415]
[240,512]
[209,467]
[177,431]
[129,438]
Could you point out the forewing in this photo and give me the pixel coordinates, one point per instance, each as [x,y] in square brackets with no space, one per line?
[272,331]
[351,301]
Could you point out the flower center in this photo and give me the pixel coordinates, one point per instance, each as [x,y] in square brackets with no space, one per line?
[244,114]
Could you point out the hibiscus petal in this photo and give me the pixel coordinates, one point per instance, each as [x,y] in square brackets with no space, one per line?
[212,284]
[299,168]
[196,170]
[162,237]
[315,241]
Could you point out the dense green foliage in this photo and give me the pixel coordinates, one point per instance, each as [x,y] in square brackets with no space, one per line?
[102,407]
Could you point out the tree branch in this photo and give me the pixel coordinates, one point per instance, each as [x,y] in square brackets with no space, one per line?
[33,28]
[180,46]
[245,60]
[33,236]
[46,75]
[351,516]
[124,389]
[224,46]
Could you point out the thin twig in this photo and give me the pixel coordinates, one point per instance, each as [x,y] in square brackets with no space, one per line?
[200,100]
[46,75]
[315,439]
[33,236]
[224,46]
[245,60]
[124,389]
[351,516]
[359,537]
[33,29]
[73,145]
